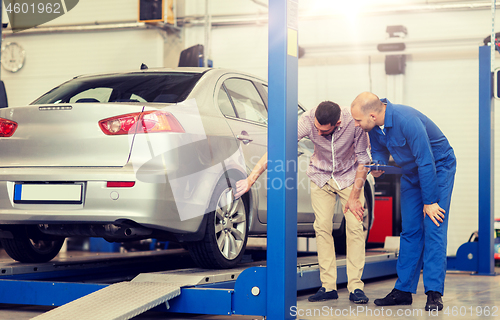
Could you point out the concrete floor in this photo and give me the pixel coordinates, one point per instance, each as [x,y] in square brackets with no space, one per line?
[466,297]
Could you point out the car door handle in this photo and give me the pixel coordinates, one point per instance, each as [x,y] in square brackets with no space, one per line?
[244,138]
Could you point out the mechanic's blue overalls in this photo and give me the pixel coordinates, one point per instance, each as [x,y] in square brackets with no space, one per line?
[419,147]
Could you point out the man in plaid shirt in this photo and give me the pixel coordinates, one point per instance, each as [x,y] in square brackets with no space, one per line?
[336,168]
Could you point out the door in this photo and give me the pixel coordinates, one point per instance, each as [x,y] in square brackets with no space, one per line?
[246,114]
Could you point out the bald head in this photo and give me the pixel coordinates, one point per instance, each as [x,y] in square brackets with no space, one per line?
[367,102]
[367,111]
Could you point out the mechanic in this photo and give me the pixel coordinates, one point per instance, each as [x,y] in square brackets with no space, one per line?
[420,148]
[336,141]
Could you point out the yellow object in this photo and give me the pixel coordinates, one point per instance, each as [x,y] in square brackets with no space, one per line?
[292,42]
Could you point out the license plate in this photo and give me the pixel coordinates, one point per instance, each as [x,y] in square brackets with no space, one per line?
[48,193]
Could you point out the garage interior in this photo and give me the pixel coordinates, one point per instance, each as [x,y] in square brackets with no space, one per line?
[433,55]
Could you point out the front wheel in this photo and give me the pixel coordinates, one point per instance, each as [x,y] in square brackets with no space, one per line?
[226,231]
[29,247]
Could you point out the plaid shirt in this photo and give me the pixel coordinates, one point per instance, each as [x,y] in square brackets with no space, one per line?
[350,147]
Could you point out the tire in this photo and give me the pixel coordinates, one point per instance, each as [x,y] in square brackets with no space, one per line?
[28,247]
[226,231]
[340,239]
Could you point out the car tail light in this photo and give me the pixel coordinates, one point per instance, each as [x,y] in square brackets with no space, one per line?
[141,122]
[120,124]
[120,184]
[7,127]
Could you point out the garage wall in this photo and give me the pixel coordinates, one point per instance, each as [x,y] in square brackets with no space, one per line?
[341,61]
[52,58]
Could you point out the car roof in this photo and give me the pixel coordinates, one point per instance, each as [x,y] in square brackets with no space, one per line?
[213,71]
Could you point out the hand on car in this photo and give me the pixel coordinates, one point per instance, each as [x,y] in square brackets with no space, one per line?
[242,187]
[356,208]
[435,212]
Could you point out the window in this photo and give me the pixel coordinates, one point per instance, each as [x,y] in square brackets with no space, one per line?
[156,87]
[301,110]
[92,95]
[246,100]
[225,105]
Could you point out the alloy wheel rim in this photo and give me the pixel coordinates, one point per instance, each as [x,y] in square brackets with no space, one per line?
[230,224]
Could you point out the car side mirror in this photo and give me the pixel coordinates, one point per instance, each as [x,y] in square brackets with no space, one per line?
[3,96]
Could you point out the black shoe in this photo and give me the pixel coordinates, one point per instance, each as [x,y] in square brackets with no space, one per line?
[358,296]
[434,301]
[396,297]
[323,295]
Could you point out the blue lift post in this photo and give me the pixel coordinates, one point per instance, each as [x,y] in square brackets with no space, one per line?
[282,157]
[478,257]
[486,262]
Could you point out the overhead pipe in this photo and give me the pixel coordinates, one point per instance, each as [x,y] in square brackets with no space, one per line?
[92,27]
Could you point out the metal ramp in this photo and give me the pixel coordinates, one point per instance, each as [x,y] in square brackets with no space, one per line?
[124,300]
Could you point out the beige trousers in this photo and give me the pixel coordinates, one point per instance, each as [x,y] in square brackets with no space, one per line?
[323,203]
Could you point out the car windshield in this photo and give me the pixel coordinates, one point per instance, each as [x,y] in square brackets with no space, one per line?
[130,87]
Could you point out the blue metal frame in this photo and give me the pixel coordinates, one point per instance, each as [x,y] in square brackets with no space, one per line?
[479,256]
[44,293]
[486,262]
[223,298]
[282,148]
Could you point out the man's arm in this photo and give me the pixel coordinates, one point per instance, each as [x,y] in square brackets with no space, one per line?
[361,148]
[244,185]
[420,146]
[418,141]
[380,154]
[353,203]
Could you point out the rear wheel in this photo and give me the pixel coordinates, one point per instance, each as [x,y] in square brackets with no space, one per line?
[28,246]
[226,231]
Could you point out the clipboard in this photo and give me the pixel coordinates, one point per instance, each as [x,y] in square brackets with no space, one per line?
[385,168]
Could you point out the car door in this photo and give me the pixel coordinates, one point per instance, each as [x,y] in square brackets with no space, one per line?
[305,150]
[246,114]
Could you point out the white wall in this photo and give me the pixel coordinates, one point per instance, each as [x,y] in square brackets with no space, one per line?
[441,77]
[53,58]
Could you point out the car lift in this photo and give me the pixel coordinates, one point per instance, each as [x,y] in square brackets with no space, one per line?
[267,291]
[223,292]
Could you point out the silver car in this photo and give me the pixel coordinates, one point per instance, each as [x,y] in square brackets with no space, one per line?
[143,154]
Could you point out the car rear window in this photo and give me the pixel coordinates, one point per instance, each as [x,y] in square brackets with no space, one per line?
[130,87]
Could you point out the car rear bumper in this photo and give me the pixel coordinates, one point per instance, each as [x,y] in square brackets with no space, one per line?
[151,205]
